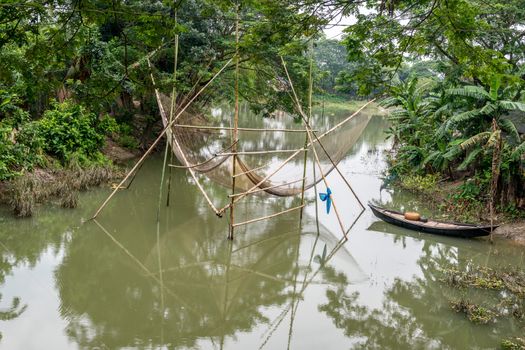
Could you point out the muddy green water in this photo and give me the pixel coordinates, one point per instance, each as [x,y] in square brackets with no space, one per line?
[125,283]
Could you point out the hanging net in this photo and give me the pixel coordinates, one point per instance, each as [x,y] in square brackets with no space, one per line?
[261,149]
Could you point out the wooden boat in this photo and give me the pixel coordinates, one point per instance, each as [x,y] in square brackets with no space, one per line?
[431,226]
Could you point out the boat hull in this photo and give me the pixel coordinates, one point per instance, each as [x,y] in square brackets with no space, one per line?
[460,230]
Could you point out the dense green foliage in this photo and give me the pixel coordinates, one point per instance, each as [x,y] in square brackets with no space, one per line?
[66,132]
[91,56]
[454,71]
[69,131]
[458,132]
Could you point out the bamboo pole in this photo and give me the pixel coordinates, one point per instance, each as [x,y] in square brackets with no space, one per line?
[252,170]
[235,135]
[262,152]
[268,216]
[205,127]
[266,188]
[173,99]
[313,147]
[286,161]
[204,162]
[157,140]
[310,88]
[175,142]
[316,203]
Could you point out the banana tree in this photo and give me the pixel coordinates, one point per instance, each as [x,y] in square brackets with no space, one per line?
[485,129]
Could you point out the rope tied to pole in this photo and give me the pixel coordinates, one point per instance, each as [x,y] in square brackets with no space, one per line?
[327,197]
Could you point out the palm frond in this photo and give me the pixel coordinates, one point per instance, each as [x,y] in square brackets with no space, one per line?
[463,117]
[518,151]
[431,157]
[488,109]
[452,153]
[512,105]
[472,156]
[478,139]
[470,91]
[495,84]
[398,113]
[389,102]
[508,126]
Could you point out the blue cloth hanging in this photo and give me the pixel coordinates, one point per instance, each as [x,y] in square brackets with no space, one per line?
[327,197]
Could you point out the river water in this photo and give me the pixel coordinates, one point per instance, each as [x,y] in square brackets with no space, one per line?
[126,282]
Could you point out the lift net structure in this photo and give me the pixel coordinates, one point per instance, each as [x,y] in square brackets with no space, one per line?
[206,149]
[282,160]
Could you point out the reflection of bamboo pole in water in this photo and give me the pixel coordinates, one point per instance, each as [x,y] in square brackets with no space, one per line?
[225,299]
[143,267]
[296,273]
[275,324]
[294,309]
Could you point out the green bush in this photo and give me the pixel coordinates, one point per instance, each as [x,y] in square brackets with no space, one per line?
[68,129]
[20,140]
[422,184]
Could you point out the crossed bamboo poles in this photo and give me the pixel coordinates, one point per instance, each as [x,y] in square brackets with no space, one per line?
[311,139]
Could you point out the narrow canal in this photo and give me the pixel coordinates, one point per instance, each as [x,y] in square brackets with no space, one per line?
[125,282]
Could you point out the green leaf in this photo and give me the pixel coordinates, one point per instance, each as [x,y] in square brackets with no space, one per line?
[508,126]
[475,140]
[472,156]
[495,84]
[488,109]
[452,153]
[512,106]
[463,117]
[5,102]
[518,151]
[470,91]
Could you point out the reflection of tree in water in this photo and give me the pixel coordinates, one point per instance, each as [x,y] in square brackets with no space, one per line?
[12,312]
[415,313]
[212,289]
[22,244]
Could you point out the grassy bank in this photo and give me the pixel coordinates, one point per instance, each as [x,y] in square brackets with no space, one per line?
[332,104]
[57,186]
[50,159]
[457,200]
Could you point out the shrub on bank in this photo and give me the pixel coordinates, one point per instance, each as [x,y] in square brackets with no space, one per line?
[53,157]
[68,129]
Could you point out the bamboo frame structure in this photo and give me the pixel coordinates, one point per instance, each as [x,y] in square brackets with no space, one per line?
[311,138]
[206,161]
[204,127]
[286,161]
[265,188]
[310,91]
[235,136]
[253,169]
[262,152]
[157,140]
[268,216]
[309,134]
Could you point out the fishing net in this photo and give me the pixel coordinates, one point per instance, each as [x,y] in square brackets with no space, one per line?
[207,151]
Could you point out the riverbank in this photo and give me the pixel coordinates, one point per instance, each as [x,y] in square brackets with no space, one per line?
[61,185]
[514,231]
[448,201]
